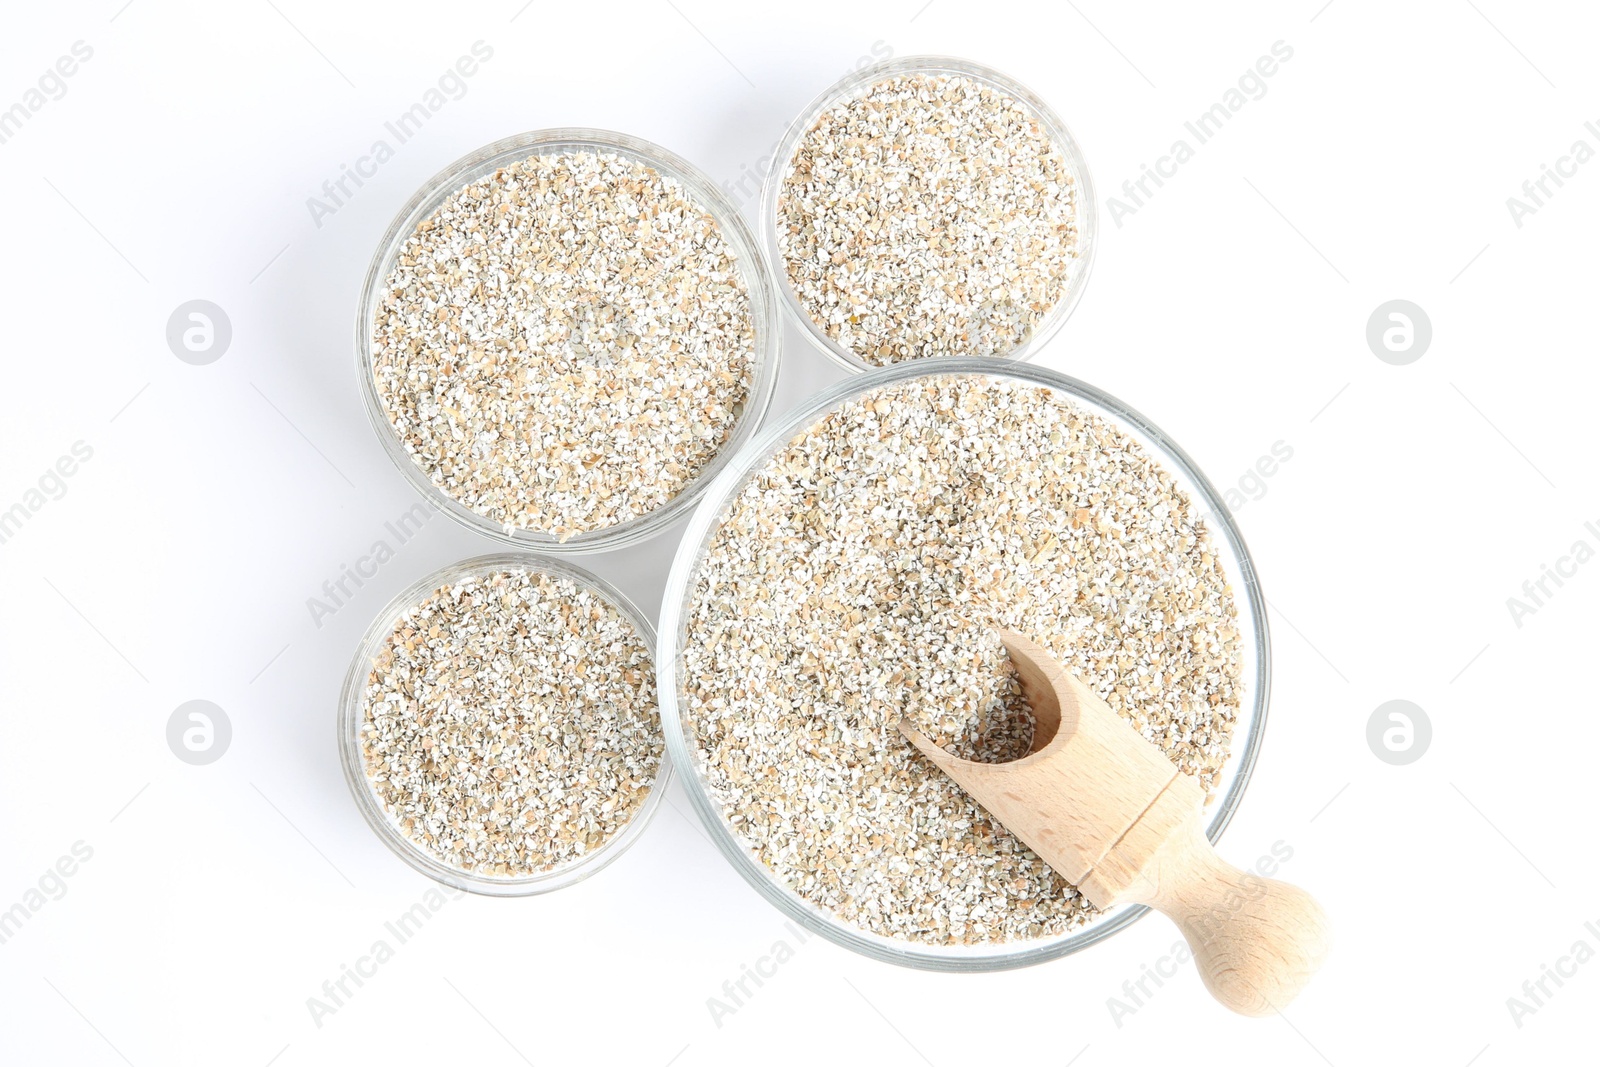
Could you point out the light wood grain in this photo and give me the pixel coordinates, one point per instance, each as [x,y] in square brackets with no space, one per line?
[1109,812]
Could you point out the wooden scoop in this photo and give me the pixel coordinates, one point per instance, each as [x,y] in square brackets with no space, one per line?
[1114,817]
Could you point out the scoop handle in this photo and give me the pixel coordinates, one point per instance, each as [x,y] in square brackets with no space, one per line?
[1256,941]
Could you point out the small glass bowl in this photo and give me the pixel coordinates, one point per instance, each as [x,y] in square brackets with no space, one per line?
[351,718]
[676,604]
[484,162]
[849,85]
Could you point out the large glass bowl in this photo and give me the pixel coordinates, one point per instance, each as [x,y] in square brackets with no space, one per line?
[752,270]
[1252,623]
[351,717]
[856,81]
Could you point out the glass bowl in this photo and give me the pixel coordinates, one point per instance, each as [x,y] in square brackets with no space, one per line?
[752,270]
[1241,575]
[1060,136]
[351,719]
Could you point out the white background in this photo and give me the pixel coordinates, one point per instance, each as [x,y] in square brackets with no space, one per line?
[1231,309]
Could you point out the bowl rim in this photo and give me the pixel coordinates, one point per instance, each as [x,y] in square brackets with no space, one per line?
[750,262]
[1061,136]
[350,719]
[673,622]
